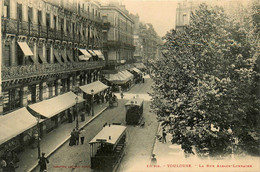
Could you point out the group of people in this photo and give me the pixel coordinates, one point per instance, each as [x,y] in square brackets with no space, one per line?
[76,136]
[8,161]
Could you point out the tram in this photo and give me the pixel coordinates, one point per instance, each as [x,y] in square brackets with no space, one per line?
[134,111]
[107,148]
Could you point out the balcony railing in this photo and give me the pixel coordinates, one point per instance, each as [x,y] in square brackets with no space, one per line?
[18,72]
[12,26]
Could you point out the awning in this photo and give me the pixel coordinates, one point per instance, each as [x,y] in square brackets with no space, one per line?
[63,54]
[99,54]
[120,77]
[140,65]
[15,123]
[57,56]
[25,48]
[55,105]
[97,86]
[41,56]
[92,52]
[137,70]
[84,54]
[127,74]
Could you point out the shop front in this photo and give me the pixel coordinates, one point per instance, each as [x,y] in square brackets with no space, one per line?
[16,130]
[57,110]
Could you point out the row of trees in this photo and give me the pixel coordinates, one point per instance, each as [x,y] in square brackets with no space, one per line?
[207,84]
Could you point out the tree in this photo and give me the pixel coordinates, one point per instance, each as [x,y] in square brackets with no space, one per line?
[208,79]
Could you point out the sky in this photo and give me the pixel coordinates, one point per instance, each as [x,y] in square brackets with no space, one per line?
[160,13]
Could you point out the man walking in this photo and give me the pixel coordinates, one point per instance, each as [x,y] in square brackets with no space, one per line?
[77,136]
[164,136]
[82,136]
[43,163]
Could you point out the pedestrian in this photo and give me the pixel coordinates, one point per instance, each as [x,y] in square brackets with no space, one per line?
[107,97]
[143,80]
[153,160]
[82,136]
[88,109]
[82,116]
[43,163]
[164,136]
[3,166]
[72,138]
[70,116]
[122,94]
[77,136]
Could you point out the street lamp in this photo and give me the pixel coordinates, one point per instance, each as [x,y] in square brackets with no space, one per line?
[38,136]
[76,106]
[92,102]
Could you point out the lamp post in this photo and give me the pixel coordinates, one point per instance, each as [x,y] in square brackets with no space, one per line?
[76,106]
[92,102]
[38,136]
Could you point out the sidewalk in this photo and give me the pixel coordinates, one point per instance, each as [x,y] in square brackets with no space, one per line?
[53,140]
[170,157]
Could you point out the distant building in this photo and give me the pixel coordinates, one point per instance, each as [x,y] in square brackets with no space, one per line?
[183,12]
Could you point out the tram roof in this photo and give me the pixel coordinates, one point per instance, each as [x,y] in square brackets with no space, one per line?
[109,134]
[135,102]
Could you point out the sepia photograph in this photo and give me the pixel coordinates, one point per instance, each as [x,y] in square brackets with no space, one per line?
[130,86]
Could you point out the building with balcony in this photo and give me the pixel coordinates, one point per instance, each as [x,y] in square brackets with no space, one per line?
[118,42]
[49,48]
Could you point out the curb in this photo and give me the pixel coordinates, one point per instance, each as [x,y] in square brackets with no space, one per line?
[65,140]
[155,138]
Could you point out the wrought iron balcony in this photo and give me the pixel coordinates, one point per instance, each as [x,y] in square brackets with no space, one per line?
[27,71]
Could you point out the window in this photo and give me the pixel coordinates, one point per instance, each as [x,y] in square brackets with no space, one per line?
[184,19]
[55,22]
[11,99]
[40,17]
[48,20]
[6,12]
[19,12]
[30,15]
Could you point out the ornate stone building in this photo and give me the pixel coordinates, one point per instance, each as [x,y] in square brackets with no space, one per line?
[118,42]
[49,48]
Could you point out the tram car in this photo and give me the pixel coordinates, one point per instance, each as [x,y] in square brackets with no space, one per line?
[134,111]
[107,148]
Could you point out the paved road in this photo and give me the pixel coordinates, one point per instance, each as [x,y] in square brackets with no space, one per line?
[140,140]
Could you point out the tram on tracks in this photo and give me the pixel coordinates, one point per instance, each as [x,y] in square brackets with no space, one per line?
[134,111]
[107,148]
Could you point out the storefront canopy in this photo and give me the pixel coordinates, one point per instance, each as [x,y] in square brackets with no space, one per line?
[137,70]
[95,86]
[120,77]
[99,54]
[85,55]
[92,52]
[127,74]
[25,48]
[51,107]
[140,65]
[15,123]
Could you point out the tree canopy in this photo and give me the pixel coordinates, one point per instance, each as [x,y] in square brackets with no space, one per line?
[206,86]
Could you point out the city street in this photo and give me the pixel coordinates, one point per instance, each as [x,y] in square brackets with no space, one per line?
[139,143]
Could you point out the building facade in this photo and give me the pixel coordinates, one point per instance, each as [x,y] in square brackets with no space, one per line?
[119,42]
[233,8]
[41,44]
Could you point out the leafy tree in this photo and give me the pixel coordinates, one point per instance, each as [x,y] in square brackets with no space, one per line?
[208,81]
